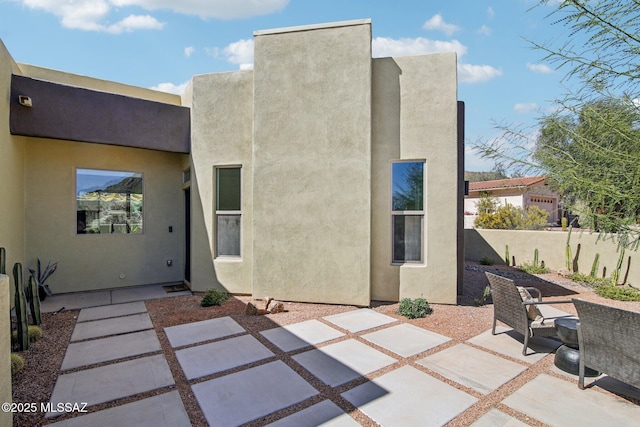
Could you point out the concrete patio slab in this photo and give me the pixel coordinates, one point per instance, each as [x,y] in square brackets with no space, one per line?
[111,348]
[108,311]
[409,397]
[604,382]
[508,342]
[473,368]
[244,396]
[111,326]
[164,410]
[496,418]
[359,320]
[111,382]
[557,402]
[75,300]
[325,414]
[300,335]
[206,330]
[343,361]
[406,340]
[142,293]
[219,356]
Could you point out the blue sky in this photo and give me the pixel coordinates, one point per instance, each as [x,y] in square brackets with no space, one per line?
[161,44]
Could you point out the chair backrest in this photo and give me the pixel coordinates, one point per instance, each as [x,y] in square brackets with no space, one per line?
[507,303]
[610,340]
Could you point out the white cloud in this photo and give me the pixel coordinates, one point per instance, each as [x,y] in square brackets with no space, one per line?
[171,88]
[384,46]
[221,9]
[239,53]
[490,12]
[437,23]
[468,73]
[484,30]
[135,22]
[525,108]
[188,51]
[540,68]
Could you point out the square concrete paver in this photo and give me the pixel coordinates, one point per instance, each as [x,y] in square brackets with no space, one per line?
[114,310]
[557,402]
[111,326]
[360,320]
[238,398]
[409,397]
[300,335]
[496,418]
[509,342]
[206,330]
[111,382]
[406,340]
[476,369]
[325,414]
[110,348]
[219,356]
[339,363]
[75,300]
[164,410]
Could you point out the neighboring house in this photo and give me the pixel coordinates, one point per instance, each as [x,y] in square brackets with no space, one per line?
[519,192]
[321,175]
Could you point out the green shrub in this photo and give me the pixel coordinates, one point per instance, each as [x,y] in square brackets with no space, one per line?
[620,293]
[486,261]
[35,333]
[533,269]
[17,363]
[414,308]
[590,281]
[214,297]
[510,217]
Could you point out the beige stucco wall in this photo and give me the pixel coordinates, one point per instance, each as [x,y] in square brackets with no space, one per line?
[12,172]
[551,247]
[415,117]
[6,419]
[312,163]
[88,262]
[221,135]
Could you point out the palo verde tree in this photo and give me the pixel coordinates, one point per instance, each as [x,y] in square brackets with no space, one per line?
[589,147]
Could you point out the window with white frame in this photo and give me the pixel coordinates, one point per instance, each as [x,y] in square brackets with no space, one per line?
[228,211]
[407,211]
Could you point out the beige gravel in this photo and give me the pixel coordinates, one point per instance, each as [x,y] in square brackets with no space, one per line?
[461,322]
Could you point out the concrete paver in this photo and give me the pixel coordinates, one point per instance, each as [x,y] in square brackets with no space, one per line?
[111,348]
[406,340]
[219,356]
[300,335]
[557,402]
[113,310]
[409,397]
[111,326]
[344,361]
[508,342]
[325,414]
[496,418]
[164,410]
[237,398]
[206,330]
[75,300]
[141,293]
[359,320]
[111,382]
[473,368]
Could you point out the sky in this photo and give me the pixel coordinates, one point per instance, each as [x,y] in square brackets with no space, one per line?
[161,44]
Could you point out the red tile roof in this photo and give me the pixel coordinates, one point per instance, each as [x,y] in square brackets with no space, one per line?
[500,184]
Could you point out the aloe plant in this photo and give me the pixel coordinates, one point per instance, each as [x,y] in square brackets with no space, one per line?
[41,277]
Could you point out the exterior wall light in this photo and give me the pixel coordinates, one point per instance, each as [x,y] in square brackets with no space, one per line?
[25,101]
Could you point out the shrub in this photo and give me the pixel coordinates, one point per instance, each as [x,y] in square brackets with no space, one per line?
[620,293]
[17,363]
[414,308]
[590,281]
[486,261]
[214,297]
[509,217]
[533,268]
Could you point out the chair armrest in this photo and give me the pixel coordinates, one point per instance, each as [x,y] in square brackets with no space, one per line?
[536,290]
[547,302]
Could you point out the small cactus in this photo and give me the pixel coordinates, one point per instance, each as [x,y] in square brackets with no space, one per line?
[535,257]
[506,254]
[34,300]
[22,320]
[594,267]
[17,363]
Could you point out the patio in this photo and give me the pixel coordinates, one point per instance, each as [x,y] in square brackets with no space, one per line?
[354,367]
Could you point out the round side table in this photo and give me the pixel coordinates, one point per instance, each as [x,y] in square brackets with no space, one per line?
[567,356]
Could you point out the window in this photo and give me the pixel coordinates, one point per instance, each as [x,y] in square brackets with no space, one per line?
[228,211]
[108,202]
[407,210]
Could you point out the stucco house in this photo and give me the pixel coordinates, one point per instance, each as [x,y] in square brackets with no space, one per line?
[520,192]
[322,175]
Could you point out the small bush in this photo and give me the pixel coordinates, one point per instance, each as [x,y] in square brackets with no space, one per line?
[17,363]
[214,297]
[593,282]
[533,269]
[35,333]
[620,293]
[412,309]
[486,261]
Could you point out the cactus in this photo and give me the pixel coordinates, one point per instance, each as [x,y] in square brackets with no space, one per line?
[594,267]
[34,300]
[616,272]
[535,257]
[568,249]
[3,261]
[506,254]
[21,309]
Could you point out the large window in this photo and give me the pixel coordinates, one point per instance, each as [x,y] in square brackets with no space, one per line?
[108,202]
[407,210]
[228,211]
